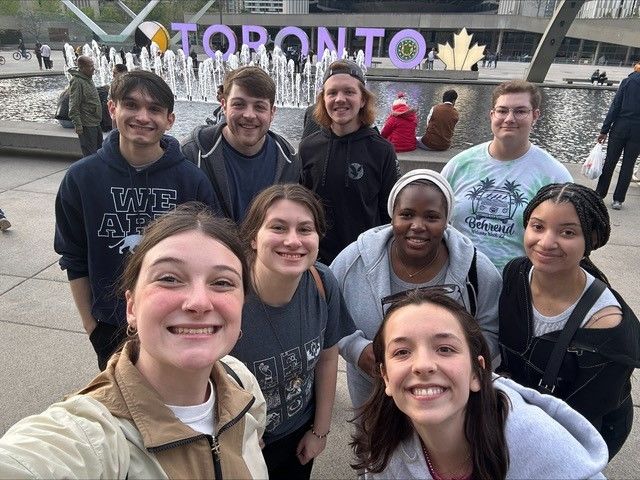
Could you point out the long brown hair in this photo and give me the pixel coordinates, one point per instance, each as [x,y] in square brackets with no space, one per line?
[381,426]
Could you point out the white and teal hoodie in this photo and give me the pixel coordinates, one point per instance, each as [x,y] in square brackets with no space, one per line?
[364,275]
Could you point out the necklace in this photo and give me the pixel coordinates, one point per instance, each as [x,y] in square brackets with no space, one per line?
[438,476]
[423,268]
[296,381]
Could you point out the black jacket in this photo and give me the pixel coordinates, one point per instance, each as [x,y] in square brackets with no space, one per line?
[353,175]
[625,107]
[204,148]
[595,372]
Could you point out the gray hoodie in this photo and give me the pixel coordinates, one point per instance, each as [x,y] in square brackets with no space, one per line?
[363,272]
[546,439]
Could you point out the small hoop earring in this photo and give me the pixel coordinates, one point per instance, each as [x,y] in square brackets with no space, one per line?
[240,336]
[131,331]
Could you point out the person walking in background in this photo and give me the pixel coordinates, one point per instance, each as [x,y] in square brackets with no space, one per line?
[400,126]
[347,163]
[242,156]
[431,57]
[85,109]
[494,181]
[45,51]
[622,126]
[441,122]
[106,199]
[38,53]
[5,224]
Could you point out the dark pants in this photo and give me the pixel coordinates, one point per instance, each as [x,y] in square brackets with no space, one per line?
[105,339]
[622,137]
[282,462]
[39,57]
[90,140]
[47,62]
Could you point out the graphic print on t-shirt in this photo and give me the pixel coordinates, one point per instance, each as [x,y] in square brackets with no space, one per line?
[494,207]
[285,397]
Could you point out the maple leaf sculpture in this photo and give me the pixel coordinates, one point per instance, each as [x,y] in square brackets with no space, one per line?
[460,57]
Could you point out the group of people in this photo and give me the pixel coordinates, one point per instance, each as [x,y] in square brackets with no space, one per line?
[401,124]
[426,283]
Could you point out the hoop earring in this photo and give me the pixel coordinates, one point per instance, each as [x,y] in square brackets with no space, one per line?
[240,336]
[131,331]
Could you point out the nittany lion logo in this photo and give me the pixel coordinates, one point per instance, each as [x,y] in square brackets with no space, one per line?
[356,171]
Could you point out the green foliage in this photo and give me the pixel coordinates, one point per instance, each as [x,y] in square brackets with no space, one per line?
[10,7]
[112,13]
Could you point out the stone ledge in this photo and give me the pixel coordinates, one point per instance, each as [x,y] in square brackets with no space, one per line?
[35,137]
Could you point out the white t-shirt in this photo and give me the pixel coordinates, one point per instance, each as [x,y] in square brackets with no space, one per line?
[491,195]
[543,324]
[199,417]
[45,50]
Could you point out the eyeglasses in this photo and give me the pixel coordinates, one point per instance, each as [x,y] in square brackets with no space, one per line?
[450,289]
[519,113]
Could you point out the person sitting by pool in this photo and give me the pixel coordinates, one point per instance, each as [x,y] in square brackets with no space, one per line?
[549,305]
[595,75]
[400,126]
[170,404]
[438,412]
[602,78]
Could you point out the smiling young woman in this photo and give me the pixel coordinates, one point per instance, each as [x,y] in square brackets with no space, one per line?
[168,404]
[418,249]
[291,324]
[437,412]
[556,300]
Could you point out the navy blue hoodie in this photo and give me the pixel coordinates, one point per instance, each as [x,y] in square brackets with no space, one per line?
[102,207]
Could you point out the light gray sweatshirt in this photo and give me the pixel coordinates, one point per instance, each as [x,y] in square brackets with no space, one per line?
[546,439]
[364,276]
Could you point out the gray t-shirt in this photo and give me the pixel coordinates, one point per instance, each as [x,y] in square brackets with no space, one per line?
[281,346]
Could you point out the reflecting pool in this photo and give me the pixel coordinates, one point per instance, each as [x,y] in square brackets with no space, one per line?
[567,128]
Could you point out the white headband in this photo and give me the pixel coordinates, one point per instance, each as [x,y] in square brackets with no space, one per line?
[422,174]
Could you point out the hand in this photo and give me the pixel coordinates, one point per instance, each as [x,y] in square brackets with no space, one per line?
[601,138]
[79,130]
[310,447]
[367,361]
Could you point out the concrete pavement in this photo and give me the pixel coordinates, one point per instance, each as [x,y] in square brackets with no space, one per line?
[46,354]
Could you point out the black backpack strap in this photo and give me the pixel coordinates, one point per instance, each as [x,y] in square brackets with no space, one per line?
[547,383]
[472,284]
[231,372]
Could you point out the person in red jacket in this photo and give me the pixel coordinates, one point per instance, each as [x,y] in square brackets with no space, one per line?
[400,126]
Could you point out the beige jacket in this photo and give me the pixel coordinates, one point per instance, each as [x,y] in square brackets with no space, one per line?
[118,427]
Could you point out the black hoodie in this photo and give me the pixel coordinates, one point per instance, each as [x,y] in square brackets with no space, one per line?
[353,175]
[102,206]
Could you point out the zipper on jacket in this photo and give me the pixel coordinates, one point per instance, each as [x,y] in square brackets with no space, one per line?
[178,443]
[215,454]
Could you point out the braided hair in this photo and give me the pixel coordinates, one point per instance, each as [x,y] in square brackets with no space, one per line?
[592,214]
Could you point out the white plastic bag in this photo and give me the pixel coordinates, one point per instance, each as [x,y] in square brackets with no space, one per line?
[592,166]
